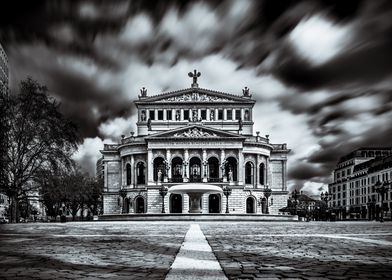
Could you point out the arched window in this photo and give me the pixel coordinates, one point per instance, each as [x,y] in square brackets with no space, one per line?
[249,173]
[176,169]
[213,169]
[140,173]
[129,174]
[261,174]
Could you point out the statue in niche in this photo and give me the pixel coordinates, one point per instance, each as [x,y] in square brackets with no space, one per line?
[149,124]
[240,124]
[230,176]
[143,116]
[177,115]
[194,116]
[159,175]
[212,115]
[246,115]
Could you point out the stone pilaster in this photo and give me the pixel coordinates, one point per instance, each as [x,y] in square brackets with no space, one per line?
[240,167]
[150,168]
[132,171]
[186,165]
[204,165]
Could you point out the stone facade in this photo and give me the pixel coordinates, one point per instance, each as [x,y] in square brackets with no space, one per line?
[356,178]
[189,136]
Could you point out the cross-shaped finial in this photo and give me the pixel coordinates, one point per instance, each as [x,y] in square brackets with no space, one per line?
[194,75]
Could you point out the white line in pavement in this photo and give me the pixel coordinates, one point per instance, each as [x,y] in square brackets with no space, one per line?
[335,236]
[195,259]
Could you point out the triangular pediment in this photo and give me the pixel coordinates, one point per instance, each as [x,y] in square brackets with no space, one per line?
[195,132]
[195,95]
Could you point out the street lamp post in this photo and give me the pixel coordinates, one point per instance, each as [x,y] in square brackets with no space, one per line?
[381,188]
[163,193]
[326,197]
[267,194]
[123,194]
[227,193]
[294,195]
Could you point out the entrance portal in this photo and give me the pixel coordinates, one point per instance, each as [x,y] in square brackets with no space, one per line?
[214,203]
[176,203]
[250,205]
[139,205]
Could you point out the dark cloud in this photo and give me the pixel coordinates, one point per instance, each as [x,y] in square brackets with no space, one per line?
[74,47]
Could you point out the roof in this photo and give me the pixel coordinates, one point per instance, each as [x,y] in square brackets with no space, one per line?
[195,95]
[358,152]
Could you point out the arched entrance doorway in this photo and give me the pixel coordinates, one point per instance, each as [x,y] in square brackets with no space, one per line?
[214,203]
[250,205]
[158,166]
[231,165]
[175,203]
[213,169]
[195,169]
[140,173]
[176,169]
[139,205]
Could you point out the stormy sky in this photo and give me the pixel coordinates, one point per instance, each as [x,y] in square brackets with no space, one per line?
[320,70]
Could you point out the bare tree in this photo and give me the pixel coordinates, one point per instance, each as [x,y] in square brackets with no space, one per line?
[40,138]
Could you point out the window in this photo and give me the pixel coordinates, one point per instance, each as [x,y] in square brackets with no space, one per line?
[348,171]
[261,173]
[229,113]
[186,114]
[337,174]
[129,171]
[203,114]
[220,114]
[160,115]
[343,173]
[169,115]
[237,114]
[152,114]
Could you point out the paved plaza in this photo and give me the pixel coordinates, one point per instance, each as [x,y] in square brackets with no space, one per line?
[156,250]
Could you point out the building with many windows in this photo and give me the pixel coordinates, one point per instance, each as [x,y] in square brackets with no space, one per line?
[356,180]
[193,138]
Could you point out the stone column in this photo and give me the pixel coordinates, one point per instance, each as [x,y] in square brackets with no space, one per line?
[173,114]
[233,114]
[257,172]
[208,114]
[204,166]
[156,114]
[240,167]
[216,113]
[164,115]
[150,168]
[186,166]
[222,159]
[225,114]
[181,114]
[132,171]
[168,158]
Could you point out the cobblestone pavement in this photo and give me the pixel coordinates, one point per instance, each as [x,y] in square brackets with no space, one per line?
[245,250]
[315,250]
[89,250]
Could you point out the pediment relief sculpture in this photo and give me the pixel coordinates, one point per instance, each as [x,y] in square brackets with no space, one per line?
[195,133]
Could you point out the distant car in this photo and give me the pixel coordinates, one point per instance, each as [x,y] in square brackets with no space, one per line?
[3,220]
